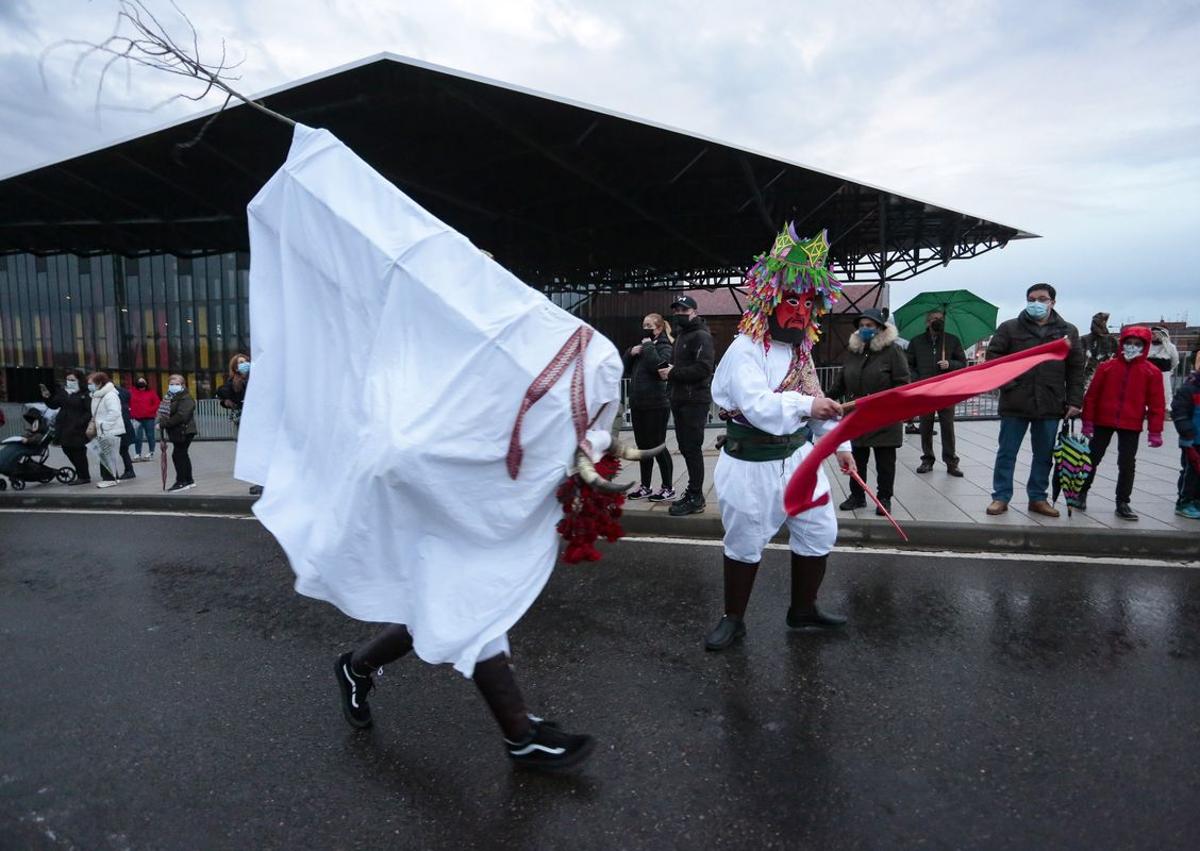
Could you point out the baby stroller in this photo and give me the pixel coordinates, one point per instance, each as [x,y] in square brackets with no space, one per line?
[26,462]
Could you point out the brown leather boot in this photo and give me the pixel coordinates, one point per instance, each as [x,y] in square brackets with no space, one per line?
[1043,508]
[998,506]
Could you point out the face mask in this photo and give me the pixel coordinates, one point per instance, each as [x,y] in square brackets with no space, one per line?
[174,388]
[867,334]
[141,385]
[72,386]
[647,332]
[1131,350]
[678,319]
[937,325]
[1037,310]
[91,387]
[244,368]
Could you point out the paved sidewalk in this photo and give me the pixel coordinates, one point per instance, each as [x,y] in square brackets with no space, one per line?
[936,510]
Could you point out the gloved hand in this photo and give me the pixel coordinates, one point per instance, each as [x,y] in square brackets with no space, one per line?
[1088,429]
[1156,439]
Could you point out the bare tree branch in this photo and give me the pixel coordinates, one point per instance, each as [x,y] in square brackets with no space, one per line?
[140,39]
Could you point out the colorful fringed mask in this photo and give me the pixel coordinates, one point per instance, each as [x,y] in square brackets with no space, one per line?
[788,290]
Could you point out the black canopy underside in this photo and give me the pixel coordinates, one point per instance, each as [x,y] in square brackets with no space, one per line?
[566,196]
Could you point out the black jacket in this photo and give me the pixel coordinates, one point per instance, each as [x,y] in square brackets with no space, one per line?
[1044,392]
[74,414]
[868,369]
[925,350]
[646,390]
[180,421]
[123,395]
[1098,345]
[694,358]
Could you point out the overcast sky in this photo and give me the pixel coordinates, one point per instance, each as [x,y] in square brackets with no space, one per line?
[1079,121]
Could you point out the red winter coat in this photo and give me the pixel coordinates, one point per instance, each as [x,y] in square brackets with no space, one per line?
[1124,393]
[143,404]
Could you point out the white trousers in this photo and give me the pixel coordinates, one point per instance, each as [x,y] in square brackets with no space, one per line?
[750,494]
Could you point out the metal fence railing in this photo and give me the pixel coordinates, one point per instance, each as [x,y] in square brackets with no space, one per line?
[13,424]
[212,421]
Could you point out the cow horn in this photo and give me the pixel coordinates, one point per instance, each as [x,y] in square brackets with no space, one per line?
[630,453]
[587,472]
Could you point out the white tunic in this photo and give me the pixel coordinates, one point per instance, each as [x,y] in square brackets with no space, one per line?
[390,358]
[750,493]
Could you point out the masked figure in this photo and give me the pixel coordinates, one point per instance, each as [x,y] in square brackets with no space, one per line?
[773,407]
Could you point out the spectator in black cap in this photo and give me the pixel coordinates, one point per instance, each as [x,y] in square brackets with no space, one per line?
[873,364]
[690,374]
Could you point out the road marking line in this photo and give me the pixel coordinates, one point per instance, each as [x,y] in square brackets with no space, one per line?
[693,542]
[128,513]
[944,554]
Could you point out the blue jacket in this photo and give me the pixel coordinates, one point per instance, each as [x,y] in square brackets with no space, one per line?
[1185,409]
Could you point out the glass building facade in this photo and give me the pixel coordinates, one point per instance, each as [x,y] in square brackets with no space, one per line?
[152,315]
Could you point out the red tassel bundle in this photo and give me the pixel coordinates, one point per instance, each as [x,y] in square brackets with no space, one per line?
[589,514]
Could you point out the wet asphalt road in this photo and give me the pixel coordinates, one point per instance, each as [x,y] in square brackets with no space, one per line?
[165,688]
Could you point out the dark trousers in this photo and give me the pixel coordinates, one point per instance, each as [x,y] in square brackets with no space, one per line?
[179,457]
[1189,480]
[77,455]
[690,420]
[1127,446]
[650,430]
[126,439]
[945,418]
[885,470]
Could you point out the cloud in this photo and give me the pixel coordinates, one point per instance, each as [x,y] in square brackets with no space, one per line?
[1075,119]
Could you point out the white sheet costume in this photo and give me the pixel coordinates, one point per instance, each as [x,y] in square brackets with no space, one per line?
[391,358]
[751,492]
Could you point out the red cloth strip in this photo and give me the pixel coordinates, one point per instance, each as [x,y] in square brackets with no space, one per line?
[911,400]
[572,352]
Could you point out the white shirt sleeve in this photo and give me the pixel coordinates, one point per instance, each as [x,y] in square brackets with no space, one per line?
[822,427]
[740,384]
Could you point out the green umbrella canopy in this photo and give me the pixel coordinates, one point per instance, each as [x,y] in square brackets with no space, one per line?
[968,317]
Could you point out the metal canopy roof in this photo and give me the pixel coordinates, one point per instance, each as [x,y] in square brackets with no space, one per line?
[567,196]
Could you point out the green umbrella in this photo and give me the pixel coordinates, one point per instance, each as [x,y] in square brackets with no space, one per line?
[968,317]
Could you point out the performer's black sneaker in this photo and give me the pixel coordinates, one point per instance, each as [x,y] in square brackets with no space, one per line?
[548,748]
[728,630]
[355,688]
[814,618]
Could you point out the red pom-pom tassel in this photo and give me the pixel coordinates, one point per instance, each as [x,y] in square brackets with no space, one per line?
[589,514]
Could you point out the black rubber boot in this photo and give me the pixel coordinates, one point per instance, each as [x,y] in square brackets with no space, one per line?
[807,574]
[739,582]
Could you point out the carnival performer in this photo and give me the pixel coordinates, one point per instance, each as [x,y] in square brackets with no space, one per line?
[454,402]
[773,407]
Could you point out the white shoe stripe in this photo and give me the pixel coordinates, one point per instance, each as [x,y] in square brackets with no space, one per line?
[353,688]
[528,749]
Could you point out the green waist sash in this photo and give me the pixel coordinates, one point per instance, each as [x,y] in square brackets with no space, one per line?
[746,443]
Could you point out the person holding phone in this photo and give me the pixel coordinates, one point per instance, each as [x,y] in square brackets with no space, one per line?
[650,403]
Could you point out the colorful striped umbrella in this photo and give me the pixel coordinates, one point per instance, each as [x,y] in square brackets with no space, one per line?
[1072,465]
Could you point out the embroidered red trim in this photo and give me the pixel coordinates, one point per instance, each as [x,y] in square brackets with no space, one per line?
[572,352]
